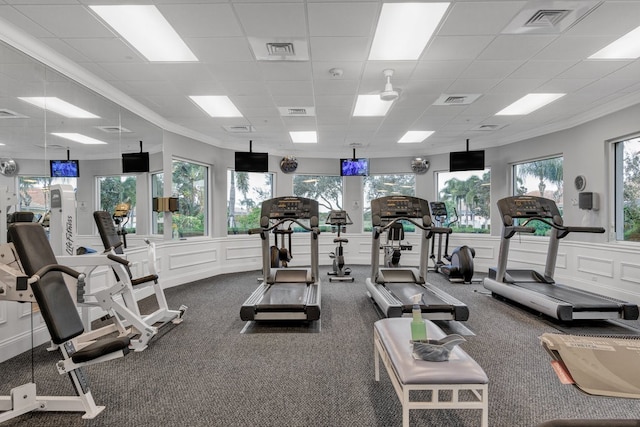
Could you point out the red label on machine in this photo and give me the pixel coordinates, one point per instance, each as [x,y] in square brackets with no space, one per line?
[561,371]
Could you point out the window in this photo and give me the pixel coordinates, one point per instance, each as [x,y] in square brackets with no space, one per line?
[190,186]
[245,193]
[376,186]
[119,190]
[467,197]
[327,190]
[540,178]
[627,190]
[34,193]
[157,190]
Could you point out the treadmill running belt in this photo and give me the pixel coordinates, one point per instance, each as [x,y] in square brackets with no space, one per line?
[283,296]
[576,297]
[430,301]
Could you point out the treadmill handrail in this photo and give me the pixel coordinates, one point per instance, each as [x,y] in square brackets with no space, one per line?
[404,218]
[511,230]
[563,230]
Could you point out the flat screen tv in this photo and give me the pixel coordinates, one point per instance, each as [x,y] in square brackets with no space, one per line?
[251,162]
[65,168]
[466,161]
[354,167]
[135,162]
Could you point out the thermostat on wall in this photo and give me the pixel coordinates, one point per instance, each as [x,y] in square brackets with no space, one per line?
[588,200]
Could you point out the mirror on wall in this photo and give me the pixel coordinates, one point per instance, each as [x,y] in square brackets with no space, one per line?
[88,128]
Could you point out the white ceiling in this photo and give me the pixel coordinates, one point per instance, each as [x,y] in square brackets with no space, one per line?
[471,53]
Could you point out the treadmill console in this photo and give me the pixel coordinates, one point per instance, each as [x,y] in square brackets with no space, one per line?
[527,207]
[290,207]
[392,207]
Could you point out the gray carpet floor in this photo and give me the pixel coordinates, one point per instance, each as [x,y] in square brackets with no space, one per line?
[216,370]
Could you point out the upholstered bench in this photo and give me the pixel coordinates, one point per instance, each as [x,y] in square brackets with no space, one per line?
[428,385]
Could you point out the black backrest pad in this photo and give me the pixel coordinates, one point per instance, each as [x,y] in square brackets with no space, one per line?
[52,295]
[107,230]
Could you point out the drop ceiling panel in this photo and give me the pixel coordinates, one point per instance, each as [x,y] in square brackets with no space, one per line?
[456,47]
[444,69]
[342,19]
[339,48]
[490,69]
[611,18]
[202,20]
[542,69]
[220,49]
[572,48]
[472,86]
[236,71]
[272,19]
[479,17]
[509,47]
[284,70]
[336,87]
[103,49]
[78,20]
[592,69]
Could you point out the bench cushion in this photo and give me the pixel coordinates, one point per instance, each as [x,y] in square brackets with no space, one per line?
[395,335]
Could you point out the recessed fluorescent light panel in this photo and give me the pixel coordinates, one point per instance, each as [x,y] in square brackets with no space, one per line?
[414,136]
[626,47]
[147,30]
[529,103]
[371,106]
[58,106]
[217,106]
[77,137]
[304,137]
[404,29]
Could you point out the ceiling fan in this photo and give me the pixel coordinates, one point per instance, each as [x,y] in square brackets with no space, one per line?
[388,94]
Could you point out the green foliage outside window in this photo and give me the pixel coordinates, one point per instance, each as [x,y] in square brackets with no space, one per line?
[376,186]
[630,183]
[245,193]
[190,186]
[326,189]
[541,178]
[467,197]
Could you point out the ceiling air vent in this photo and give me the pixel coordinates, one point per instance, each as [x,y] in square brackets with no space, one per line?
[546,18]
[8,114]
[289,49]
[549,16]
[113,129]
[456,99]
[239,129]
[297,111]
[487,128]
[280,49]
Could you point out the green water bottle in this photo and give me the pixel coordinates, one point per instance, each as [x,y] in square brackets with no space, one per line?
[418,325]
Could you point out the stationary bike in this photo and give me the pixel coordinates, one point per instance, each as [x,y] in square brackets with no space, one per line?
[339,219]
[393,246]
[457,267]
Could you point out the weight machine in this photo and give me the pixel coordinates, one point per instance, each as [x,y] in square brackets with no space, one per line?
[39,278]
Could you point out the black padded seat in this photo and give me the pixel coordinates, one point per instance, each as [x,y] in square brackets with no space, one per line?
[58,309]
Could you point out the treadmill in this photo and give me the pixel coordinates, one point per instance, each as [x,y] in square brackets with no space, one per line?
[392,288]
[537,290]
[286,293]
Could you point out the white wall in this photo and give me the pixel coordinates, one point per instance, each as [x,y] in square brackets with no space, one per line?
[592,262]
